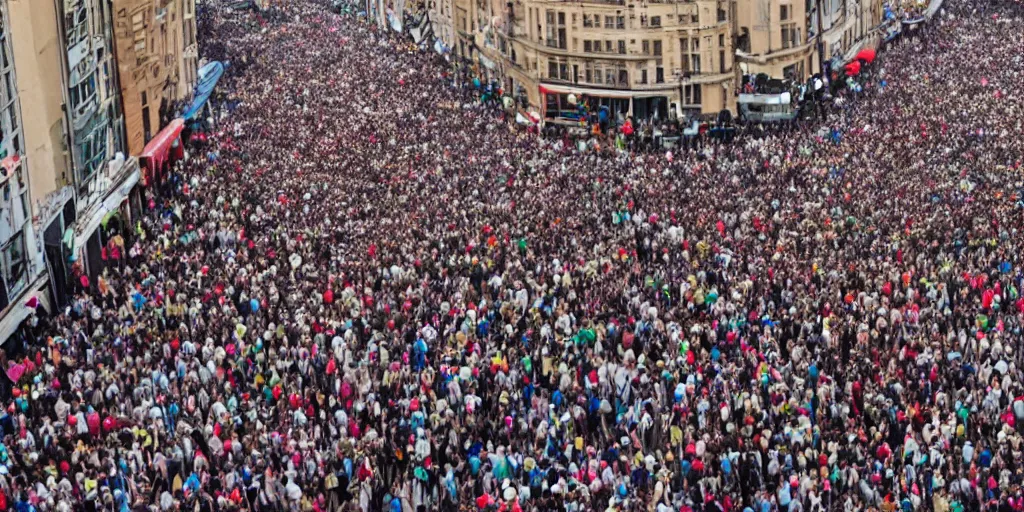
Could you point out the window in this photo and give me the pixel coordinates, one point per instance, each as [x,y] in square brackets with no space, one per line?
[588,21]
[721,61]
[790,35]
[14,264]
[86,155]
[620,23]
[608,47]
[643,20]
[695,18]
[556,37]
[783,13]
[609,22]
[90,87]
[691,55]
[623,77]
[721,15]
[587,48]
[147,133]
[558,70]
[657,48]
[655,21]
[721,40]
[549,17]
[622,47]
[659,75]
[793,72]
[691,94]
[643,76]
[646,47]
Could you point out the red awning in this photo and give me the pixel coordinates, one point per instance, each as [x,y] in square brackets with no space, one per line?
[866,55]
[157,150]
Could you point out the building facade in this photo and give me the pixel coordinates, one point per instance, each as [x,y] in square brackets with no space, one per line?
[642,59]
[647,57]
[440,13]
[65,169]
[92,92]
[36,45]
[98,136]
[772,39]
[795,39]
[22,265]
[157,60]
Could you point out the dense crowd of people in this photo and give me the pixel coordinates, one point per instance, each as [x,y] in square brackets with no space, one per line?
[364,290]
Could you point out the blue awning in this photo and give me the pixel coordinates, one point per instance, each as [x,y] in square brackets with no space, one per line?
[208,77]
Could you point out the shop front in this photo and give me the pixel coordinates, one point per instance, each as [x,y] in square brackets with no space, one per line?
[95,244]
[563,104]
